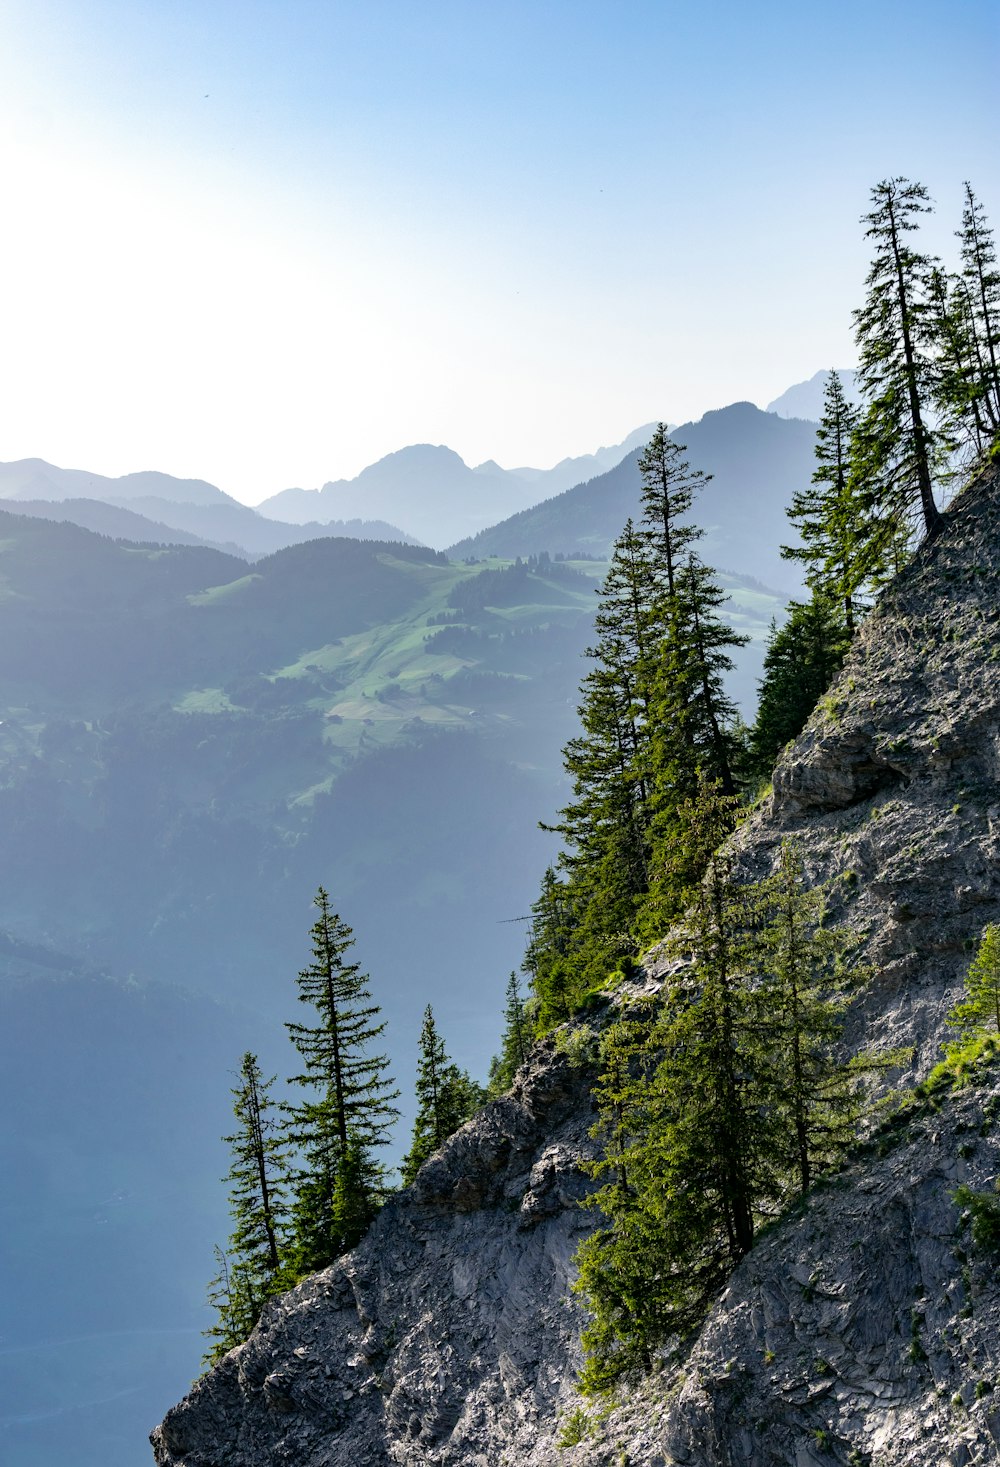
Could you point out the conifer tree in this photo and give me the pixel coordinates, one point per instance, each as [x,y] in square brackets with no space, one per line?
[694,716]
[803,992]
[802,658]
[258,1174]
[960,384]
[721,1104]
[687,1125]
[446,1098]
[981,285]
[350,1111]
[515,1041]
[234,1295]
[897,450]
[828,515]
[668,488]
[979,1012]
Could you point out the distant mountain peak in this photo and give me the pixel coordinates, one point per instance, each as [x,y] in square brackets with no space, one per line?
[805,399]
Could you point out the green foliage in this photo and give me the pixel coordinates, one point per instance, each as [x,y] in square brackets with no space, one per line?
[348,1110]
[718,1106]
[514,1044]
[899,453]
[249,1273]
[967,317]
[446,1098]
[979,1013]
[984,1210]
[655,721]
[828,515]
[574,1428]
[803,656]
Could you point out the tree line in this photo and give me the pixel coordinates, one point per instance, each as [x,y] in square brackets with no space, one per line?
[305,1179]
[720,1102]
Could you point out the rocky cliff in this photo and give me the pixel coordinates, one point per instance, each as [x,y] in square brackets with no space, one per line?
[861,1330]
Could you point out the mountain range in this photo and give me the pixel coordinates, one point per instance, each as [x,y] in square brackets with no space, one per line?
[425,494]
[437,496]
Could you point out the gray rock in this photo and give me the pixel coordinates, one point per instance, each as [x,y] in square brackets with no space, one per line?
[863,1329]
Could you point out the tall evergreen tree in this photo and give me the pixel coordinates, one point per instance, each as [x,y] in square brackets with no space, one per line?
[515,1041]
[803,656]
[654,717]
[685,1115]
[446,1098]
[720,1105]
[960,385]
[694,716]
[828,515]
[803,990]
[669,485]
[258,1177]
[898,450]
[350,1110]
[980,290]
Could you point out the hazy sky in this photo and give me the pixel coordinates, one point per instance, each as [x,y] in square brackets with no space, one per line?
[266,243]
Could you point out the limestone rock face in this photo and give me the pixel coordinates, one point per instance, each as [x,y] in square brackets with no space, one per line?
[866,1329]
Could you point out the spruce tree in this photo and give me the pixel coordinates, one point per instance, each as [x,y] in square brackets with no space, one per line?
[898,450]
[695,741]
[980,289]
[687,1122]
[515,1041]
[802,658]
[669,485]
[979,1012]
[258,1177]
[654,717]
[350,1110]
[720,1104]
[446,1098]
[804,985]
[828,515]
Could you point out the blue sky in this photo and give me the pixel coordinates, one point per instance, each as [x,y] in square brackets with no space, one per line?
[265,243]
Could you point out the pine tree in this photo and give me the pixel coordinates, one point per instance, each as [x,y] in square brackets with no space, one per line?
[803,992]
[898,451]
[696,743]
[235,1296]
[352,1112]
[959,391]
[803,656]
[687,1126]
[258,1175]
[980,291]
[828,515]
[669,485]
[515,1042]
[446,1098]
[979,1011]
[721,1103]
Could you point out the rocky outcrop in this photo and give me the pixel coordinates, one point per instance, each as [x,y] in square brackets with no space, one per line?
[864,1330]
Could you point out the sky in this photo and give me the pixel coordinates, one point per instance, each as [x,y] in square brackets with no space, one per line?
[266,242]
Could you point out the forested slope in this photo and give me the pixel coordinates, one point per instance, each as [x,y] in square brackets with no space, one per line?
[891,794]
